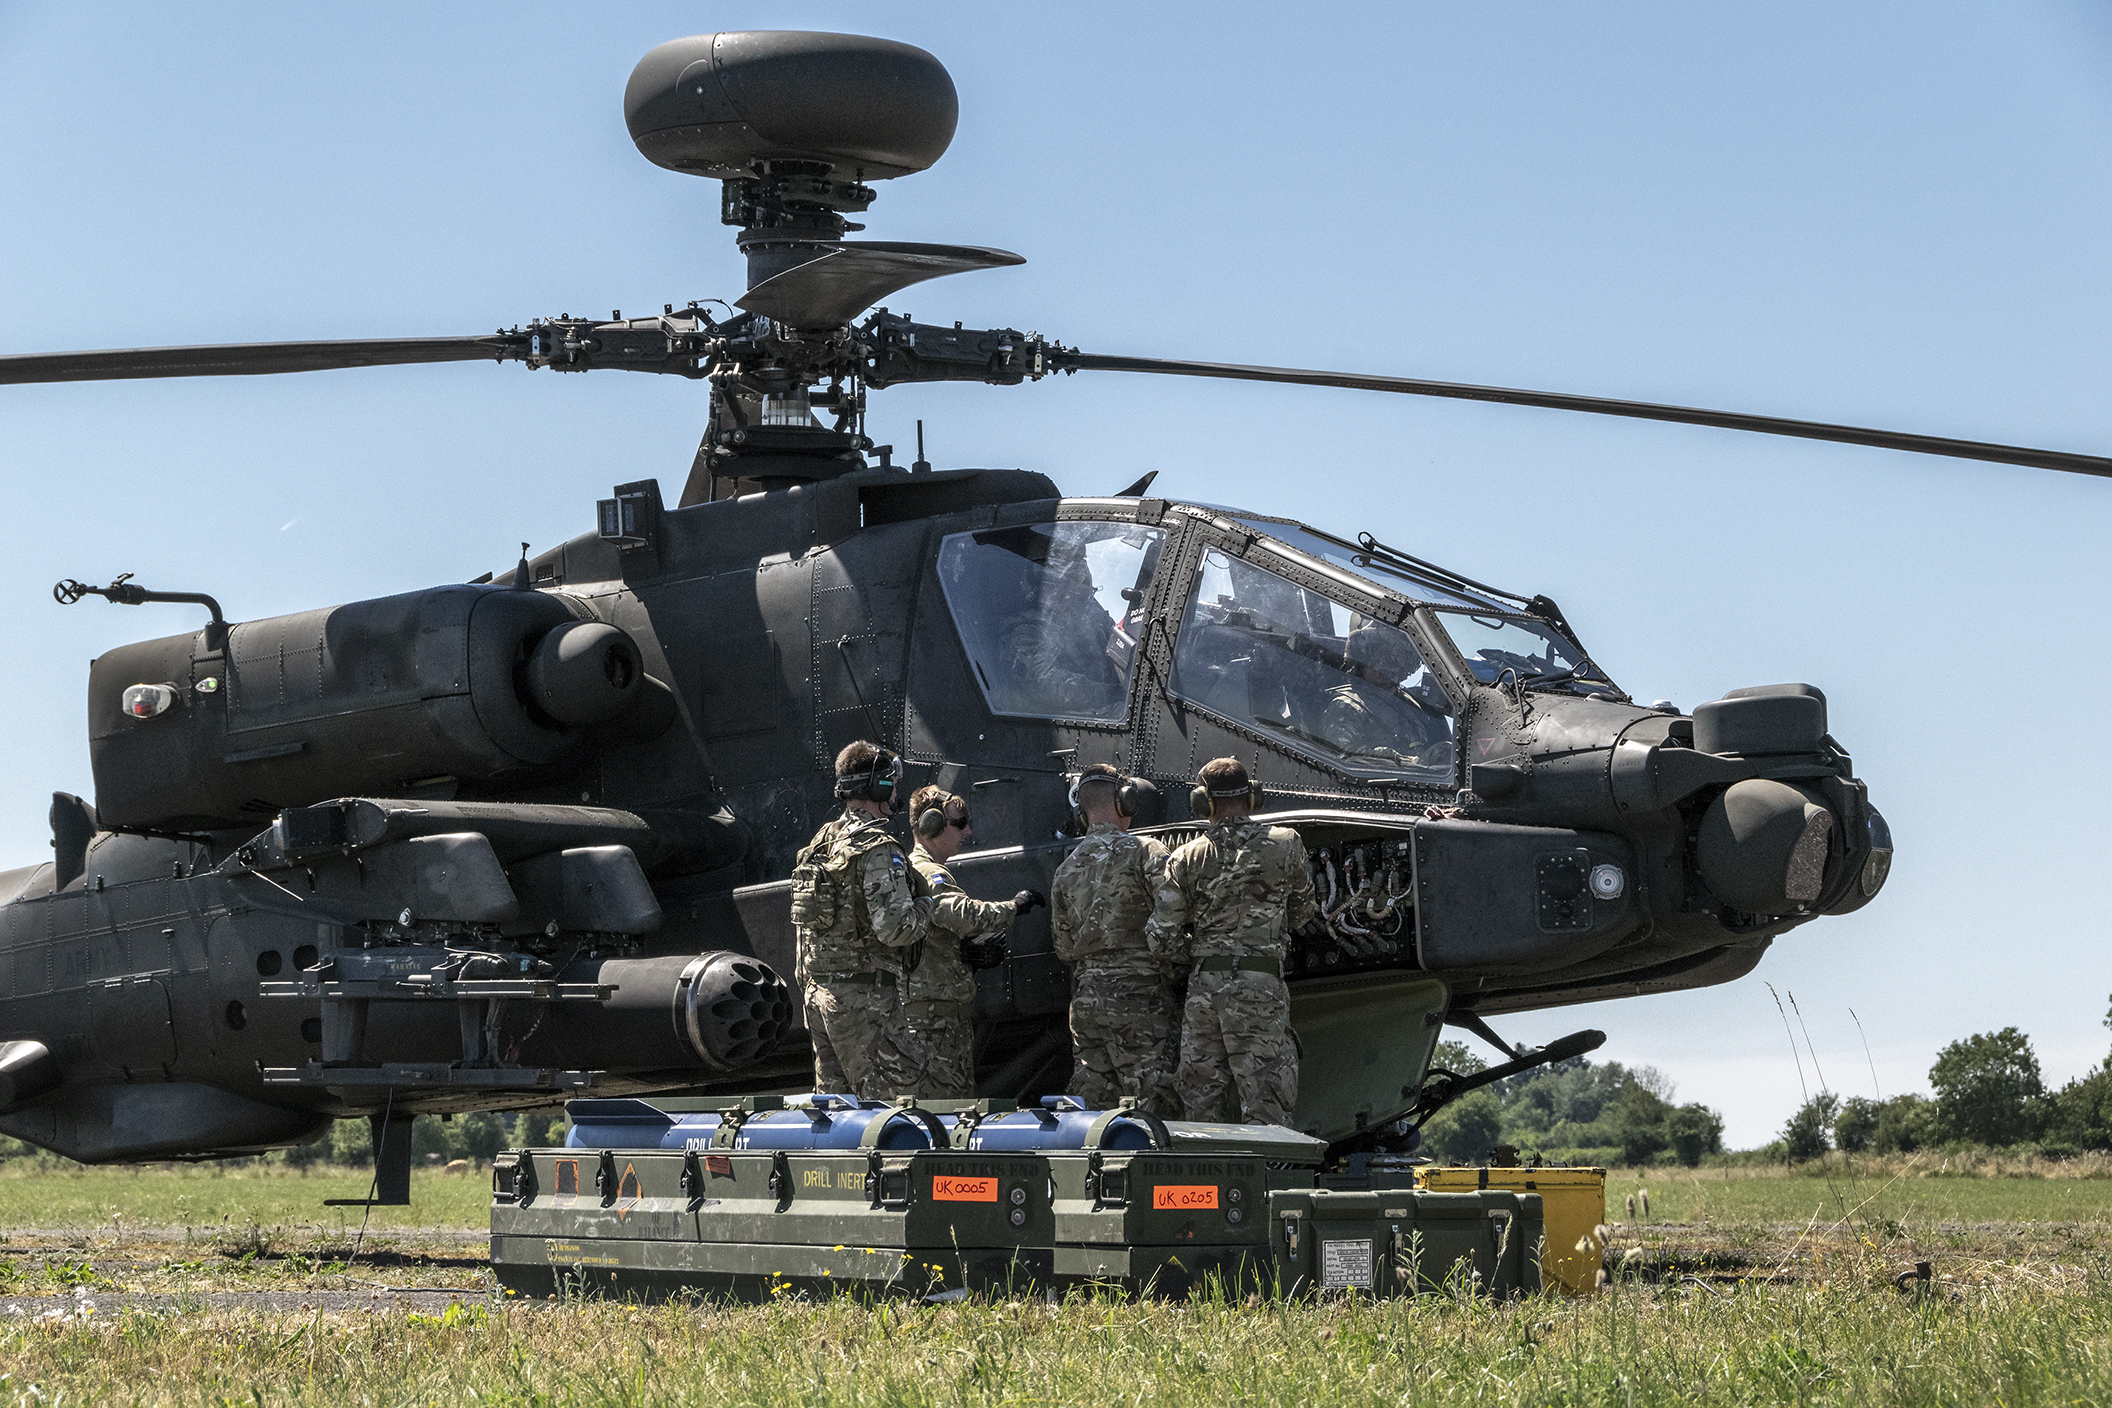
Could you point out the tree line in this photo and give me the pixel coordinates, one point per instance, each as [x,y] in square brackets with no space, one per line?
[1574,1111]
[1988,1092]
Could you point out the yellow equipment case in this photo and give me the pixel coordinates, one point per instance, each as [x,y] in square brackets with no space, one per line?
[1573,1204]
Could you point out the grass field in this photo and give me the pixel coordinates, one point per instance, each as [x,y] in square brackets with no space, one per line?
[1734,1292]
[1914,1190]
[1847,1343]
[206,1195]
[1902,1190]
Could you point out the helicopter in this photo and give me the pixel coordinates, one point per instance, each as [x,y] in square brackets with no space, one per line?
[553,803]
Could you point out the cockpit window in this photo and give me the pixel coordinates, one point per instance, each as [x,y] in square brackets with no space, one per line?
[1266,652]
[1534,653]
[1050,613]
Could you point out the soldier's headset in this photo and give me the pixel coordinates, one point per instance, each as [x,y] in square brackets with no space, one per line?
[932,820]
[1200,805]
[874,783]
[1127,796]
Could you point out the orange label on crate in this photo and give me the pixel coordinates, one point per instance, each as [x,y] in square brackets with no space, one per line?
[1184,1195]
[945,1189]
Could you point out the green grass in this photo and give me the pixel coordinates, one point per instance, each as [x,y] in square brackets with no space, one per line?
[1899,1194]
[1743,1298]
[208,1195]
[1844,1343]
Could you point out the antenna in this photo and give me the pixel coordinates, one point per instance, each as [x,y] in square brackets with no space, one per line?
[922,465]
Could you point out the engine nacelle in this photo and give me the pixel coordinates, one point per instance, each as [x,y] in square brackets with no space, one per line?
[365,698]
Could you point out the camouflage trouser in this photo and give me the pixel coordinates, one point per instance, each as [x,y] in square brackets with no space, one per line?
[928,1049]
[844,1021]
[1122,1026]
[1239,1060]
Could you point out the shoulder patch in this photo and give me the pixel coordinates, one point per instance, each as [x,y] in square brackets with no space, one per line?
[940,877]
[896,861]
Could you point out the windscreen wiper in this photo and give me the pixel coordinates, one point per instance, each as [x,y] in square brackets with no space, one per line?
[1574,675]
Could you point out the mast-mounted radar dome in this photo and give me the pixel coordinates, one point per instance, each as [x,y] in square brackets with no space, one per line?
[738,104]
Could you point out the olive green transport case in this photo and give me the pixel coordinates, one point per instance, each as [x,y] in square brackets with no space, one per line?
[1399,1241]
[654,1222]
[907,1200]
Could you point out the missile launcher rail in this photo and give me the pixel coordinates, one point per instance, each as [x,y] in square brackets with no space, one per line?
[828,1195]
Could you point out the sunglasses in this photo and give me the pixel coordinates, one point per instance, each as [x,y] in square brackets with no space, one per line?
[959,823]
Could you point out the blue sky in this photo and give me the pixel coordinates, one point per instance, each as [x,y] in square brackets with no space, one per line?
[1883,214]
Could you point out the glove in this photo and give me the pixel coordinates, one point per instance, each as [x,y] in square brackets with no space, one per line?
[984,953]
[1027,900]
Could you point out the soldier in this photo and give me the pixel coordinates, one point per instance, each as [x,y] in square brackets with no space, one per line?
[1122,1013]
[928,1048]
[1225,902]
[1376,712]
[859,910]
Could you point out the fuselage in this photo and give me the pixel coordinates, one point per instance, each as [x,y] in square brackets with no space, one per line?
[1489,811]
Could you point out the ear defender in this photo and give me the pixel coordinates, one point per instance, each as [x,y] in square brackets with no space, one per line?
[1126,799]
[876,783]
[1200,805]
[930,822]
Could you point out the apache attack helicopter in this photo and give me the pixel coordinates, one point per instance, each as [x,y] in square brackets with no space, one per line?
[484,845]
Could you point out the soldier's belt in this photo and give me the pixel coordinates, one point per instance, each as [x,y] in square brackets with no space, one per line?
[1271,966]
[868,979]
[1142,968]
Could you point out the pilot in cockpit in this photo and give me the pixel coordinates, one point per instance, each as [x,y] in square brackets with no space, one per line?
[1387,706]
[1056,643]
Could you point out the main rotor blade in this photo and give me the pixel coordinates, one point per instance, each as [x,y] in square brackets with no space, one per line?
[1599,405]
[842,280]
[251,358]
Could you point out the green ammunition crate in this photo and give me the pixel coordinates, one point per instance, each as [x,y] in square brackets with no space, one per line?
[1400,1241]
[1161,1221]
[651,1223]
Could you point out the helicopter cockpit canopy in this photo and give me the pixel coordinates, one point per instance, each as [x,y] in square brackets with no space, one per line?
[1323,678]
[1052,616]
[1050,613]
[1373,567]
[1493,636]
[1534,653]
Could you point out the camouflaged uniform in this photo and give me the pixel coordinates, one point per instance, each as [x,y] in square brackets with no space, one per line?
[928,1048]
[1351,723]
[1224,904]
[1122,1019]
[1364,720]
[849,970]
